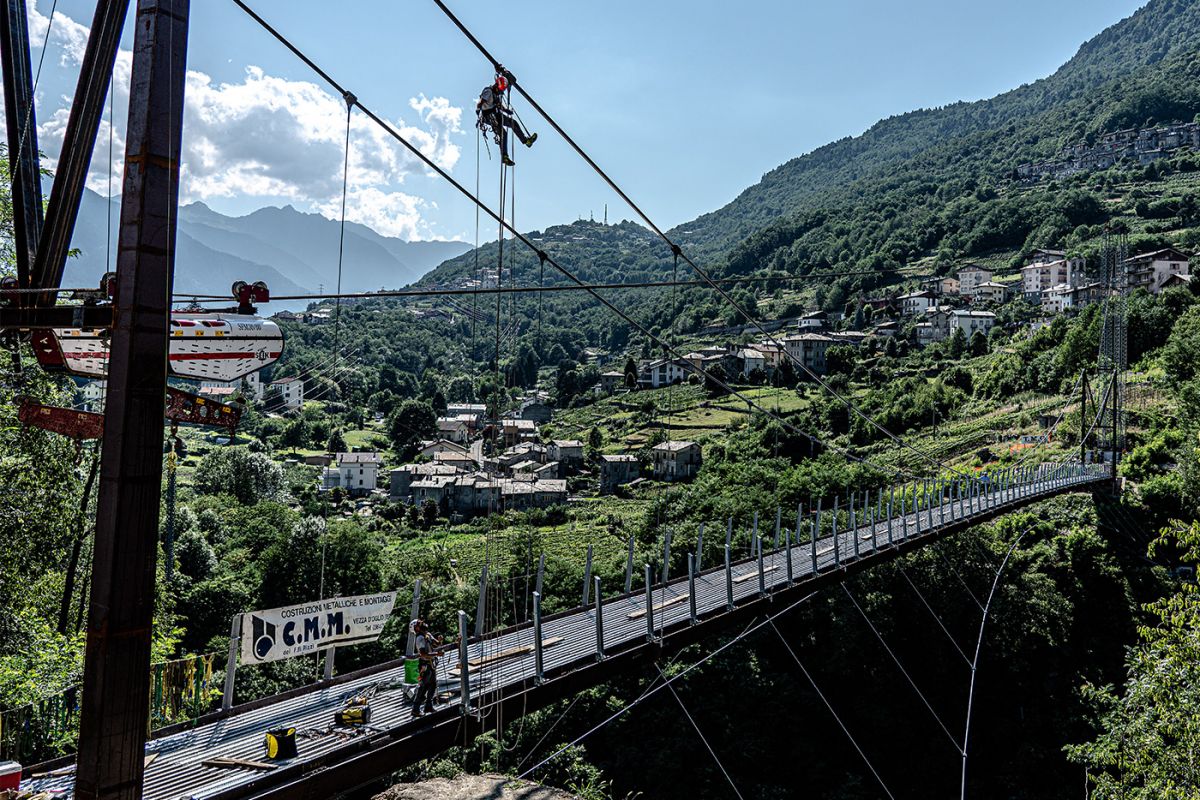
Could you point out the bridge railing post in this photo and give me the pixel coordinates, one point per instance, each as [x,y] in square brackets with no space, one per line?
[728,580]
[649,606]
[853,525]
[539,666]
[816,532]
[787,553]
[837,549]
[929,505]
[666,570]
[700,548]
[464,666]
[762,575]
[891,500]
[599,623]
[541,571]
[692,588]
[778,520]
[235,635]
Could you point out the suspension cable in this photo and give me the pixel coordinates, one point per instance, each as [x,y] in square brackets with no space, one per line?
[337,313]
[841,724]
[700,733]
[903,671]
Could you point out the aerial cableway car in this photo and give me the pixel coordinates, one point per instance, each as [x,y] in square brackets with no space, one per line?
[205,345]
[215,345]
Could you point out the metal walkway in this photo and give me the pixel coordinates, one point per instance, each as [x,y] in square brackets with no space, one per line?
[503,672]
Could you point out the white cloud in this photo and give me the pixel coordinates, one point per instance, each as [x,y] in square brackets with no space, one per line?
[270,137]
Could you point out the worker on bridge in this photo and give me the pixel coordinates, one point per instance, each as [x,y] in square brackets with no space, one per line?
[494,113]
[427,652]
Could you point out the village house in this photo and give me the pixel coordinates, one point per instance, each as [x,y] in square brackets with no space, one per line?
[1152,270]
[942,286]
[773,355]
[534,410]
[401,480]
[250,385]
[617,470]
[989,292]
[662,372]
[971,321]
[291,392]
[809,349]
[354,473]
[433,446]
[567,451]
[93,393]
[611,381]
[971,278]
[914,304]
[475,413]
[455,429]
[515,431]
[813,321]
[518,495]
[463,461]
[750,360]
[676,460]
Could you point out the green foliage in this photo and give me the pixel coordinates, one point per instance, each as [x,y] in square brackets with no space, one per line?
[412,421]
[250,477]
[1149,731]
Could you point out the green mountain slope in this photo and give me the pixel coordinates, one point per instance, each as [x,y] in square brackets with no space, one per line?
[853,167]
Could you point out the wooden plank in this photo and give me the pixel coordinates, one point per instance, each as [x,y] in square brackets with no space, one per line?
[752,575]
[511,652]
[641,612]
[826,549]
[149,759]
[236,763]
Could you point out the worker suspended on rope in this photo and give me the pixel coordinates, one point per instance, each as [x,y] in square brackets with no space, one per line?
[493,112]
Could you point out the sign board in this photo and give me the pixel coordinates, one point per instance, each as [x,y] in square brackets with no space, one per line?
[309,627]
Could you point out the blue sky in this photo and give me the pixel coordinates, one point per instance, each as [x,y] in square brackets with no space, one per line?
[685,102]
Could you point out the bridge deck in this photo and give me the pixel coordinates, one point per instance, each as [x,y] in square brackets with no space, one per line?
[177,770]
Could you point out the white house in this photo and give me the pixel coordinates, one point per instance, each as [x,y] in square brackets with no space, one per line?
[93,394]
[970,321]
[291,392]
[1153,270]
[355,473]
[455,429]
[476,411]
[971,277]
[662,372]
[989,292]
[914,304]
[751,360]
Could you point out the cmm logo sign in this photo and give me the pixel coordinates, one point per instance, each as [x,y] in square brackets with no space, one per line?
[308,627]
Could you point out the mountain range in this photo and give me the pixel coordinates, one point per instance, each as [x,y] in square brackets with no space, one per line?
[291,251]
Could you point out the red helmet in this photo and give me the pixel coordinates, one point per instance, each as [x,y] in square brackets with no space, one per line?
[501,83]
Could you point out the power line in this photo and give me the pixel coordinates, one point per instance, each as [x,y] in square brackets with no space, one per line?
[700,733]
[455,291]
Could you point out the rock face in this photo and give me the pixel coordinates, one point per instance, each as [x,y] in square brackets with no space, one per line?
[472,787]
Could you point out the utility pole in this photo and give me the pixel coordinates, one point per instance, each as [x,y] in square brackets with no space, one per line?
[116,680]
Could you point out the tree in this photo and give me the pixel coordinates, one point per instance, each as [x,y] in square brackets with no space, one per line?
[1150,734]
[412,421]
[296,433]
[337,442]
[957,344]
[840,359]
[595,438]
[713,378]
[631,373]
[250,477]
[979,344]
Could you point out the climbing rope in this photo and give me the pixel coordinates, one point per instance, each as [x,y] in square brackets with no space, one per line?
[337,309]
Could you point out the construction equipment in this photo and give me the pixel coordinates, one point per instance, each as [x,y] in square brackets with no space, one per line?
[280,743]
